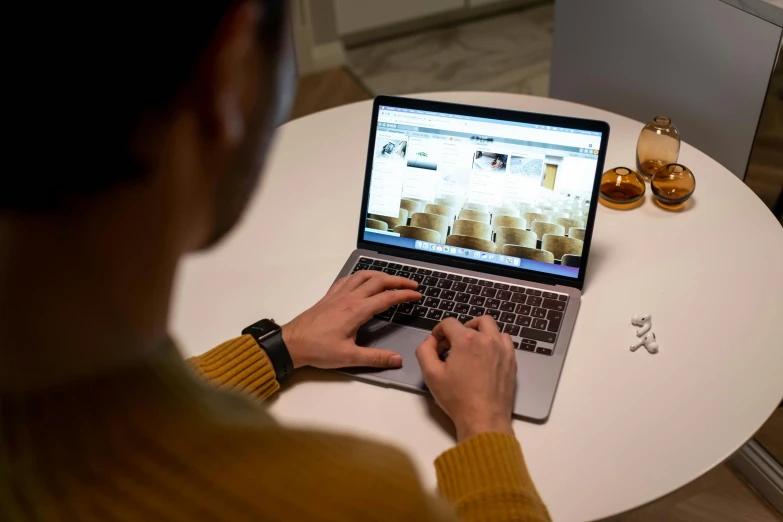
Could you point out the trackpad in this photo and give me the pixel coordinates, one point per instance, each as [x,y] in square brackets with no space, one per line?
[398,339]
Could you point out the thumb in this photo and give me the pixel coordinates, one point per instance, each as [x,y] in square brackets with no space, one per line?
[376,358]
[427,354]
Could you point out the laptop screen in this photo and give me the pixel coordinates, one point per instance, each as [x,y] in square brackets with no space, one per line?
[495,191]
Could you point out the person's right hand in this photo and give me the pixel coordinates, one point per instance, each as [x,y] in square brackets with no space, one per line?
[476,382]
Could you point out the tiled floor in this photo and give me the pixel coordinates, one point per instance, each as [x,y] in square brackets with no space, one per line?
[719,495]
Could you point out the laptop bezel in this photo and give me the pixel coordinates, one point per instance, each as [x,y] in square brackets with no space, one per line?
[499,114]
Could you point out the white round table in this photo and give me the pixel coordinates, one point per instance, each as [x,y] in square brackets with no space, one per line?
[626,428]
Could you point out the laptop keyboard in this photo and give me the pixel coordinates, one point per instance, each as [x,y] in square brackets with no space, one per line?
[531,317]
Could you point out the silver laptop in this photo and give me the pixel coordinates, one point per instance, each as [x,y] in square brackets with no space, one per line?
[491,211]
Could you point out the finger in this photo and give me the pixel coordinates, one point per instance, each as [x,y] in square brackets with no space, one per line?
[380,302]
[382,282]
[358,278]
[448,329]
[374,358]
[337,285]
[484,324]
[507,342]
[429,358]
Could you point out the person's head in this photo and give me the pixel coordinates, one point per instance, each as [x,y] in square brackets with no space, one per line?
[168,106]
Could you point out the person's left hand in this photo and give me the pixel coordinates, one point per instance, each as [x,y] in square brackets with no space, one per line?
[325,335]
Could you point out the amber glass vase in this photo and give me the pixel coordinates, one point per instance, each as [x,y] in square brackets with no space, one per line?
[672,186]
[658,145]
[621,187]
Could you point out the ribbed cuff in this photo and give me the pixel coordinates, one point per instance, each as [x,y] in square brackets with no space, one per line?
[485,478]
[240,365]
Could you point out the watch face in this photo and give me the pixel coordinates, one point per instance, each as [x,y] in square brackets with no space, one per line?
[261,328]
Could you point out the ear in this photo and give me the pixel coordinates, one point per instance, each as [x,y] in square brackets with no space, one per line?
[226,73]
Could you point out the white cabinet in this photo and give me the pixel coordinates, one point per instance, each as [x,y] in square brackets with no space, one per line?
[353,16]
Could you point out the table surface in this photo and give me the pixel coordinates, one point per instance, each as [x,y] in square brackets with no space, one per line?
[626,428]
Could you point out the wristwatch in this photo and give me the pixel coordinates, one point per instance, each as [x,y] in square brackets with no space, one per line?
[269,337]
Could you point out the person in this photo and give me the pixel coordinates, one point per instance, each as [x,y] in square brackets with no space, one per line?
[158,132]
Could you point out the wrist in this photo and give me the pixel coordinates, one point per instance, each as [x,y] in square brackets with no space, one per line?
[292,342]
[468,429]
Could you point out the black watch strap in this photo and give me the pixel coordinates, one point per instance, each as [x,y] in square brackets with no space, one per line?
[269,337]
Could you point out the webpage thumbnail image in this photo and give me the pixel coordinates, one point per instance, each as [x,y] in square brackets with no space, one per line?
[526,204]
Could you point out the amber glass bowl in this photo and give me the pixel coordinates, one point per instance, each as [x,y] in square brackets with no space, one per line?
[672,186]
[658,144]
[622,187]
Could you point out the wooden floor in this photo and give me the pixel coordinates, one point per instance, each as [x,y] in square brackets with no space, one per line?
[718,496]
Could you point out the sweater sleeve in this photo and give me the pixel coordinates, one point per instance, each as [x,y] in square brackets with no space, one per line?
[485,479]
[239,365]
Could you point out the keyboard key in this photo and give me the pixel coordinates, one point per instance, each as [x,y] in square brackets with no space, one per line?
[507,306]
[415,321]
[439,274]
[500,325]
[549,295]
[390,271]
[430,281]
[409,268]
[476,310]
[469,280]
[447,305]
[501,286]
[553,326]
[517,289]
[420,311]
[523,320]
[523,346]
[447,294]
[433,302]
[554,315]
[516,345]
[477,300]
[464,318]
[538,324]
[418,278]
[462,298]
[562,297]
[362,266]
[545,351]
[492,303]
[454,277]
[484,282]
[365,260]
[444,283]
[531,342]
[473,289]
[459,287]
[523,309]
[395,266]
[507,317]
[432,292]
[385,315]
[538,335]
[495,314]
[533,291]
[405,308]
[406,275]
[462,308]
[423,298]
[446,315]
[423,271]
[535,301]
[511,329]
[378,262]
[376,268]
[435,314]
[504,295]
[554,304]
[539,313]
[518,298]
[488,292]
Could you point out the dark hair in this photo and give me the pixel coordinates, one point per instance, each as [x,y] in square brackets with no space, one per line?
[86,86]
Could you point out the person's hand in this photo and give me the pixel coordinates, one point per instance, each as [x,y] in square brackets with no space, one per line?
[475,384]
[325,335]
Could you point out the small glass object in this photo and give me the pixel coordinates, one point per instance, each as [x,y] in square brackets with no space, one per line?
[659,144]
[621,187]
[672,186]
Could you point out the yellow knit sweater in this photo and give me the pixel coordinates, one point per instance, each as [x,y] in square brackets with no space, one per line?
[150,442]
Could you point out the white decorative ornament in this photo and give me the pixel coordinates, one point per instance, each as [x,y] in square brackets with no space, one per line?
[643,321]
[648,341]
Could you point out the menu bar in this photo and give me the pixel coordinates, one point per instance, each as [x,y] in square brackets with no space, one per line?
[468,253]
